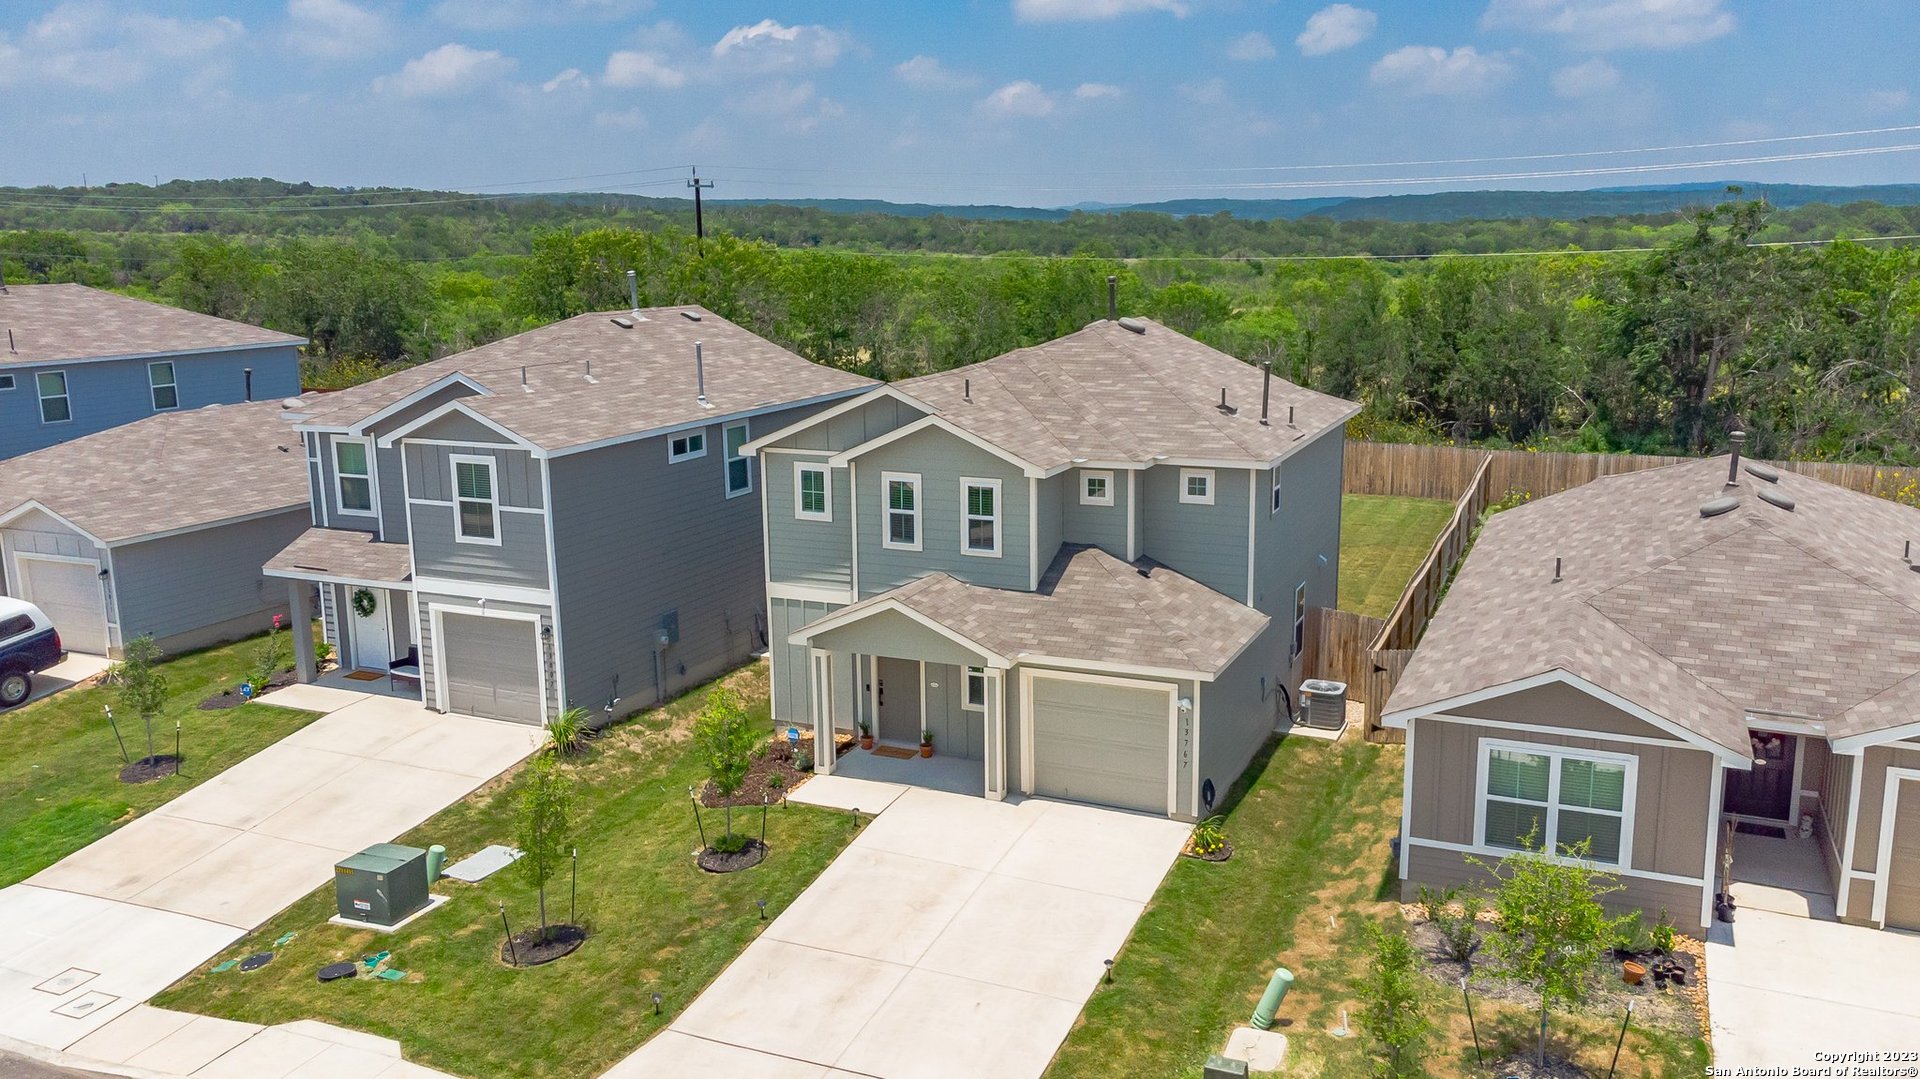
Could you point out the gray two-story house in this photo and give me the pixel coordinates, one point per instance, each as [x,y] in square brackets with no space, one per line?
[1085,565]
[77,360]
[563,518]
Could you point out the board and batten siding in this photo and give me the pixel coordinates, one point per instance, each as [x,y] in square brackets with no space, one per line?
[863,423]
[940,460]
[1206,543]
[200,588]
[1104,527]
[788,662]
[804,551]
[328,496]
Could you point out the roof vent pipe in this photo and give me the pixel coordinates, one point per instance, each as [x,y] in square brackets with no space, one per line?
[1226,409]
[700,372]
[966,390]
[1908,553]
[633,291]
[10,347]
[246,379]
[1289,415]
[1739,439]
[1113,297]
[1556,569]
[1266,393]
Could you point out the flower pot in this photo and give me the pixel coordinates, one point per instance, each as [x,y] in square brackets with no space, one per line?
[866,741]
[926,749]
[1632,972]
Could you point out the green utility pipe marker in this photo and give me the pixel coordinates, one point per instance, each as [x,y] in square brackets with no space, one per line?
[1270,1000]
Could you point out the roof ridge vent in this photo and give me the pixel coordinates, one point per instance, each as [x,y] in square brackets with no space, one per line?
[1133,324]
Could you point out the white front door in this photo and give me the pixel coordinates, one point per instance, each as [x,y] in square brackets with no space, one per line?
[371,650]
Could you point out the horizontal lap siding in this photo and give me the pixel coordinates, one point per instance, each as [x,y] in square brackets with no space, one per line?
[940,460]
[329,495]
[520,559]
[1240,708]
[181,588]
[1299,545]
[1103,526]
[1449,869]
[1206,543]
[807,552]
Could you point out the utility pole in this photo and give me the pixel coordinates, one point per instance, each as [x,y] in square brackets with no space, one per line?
[699,221]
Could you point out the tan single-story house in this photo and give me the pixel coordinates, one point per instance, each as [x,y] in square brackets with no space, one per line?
[1710,672]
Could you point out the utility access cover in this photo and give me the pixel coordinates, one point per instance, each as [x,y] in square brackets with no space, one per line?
[484,864]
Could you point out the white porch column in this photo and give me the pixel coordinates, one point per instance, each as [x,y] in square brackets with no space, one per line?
[300,618]
[995,721]
[820,703]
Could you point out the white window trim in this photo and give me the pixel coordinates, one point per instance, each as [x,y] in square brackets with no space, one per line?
[1196,500]
[887,480]
[65,394]
[687,437]
[1297,644]
[1550,839]
[1273,497]
[728,458]
[454,461]
[1096,474]
[339,487]
[154,386]
[967,483]
[6,383]
[800,468]
[966,689]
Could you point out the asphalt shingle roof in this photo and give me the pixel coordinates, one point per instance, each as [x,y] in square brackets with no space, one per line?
[342,553]
[643,378]
[1810,612]
[168,472]
[1094,607]
[1106,393]
[73,322]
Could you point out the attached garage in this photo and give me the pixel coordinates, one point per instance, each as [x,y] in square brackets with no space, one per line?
[70,592]
[1903,854]
[490,666]
[1103,740]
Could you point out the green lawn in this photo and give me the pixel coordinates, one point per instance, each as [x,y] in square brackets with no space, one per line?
[1310,825]
[658,924]
[1382,540]
[59,765]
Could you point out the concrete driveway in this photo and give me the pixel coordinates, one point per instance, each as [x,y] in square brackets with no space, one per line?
[955,938]
[86,939]
[1782,989]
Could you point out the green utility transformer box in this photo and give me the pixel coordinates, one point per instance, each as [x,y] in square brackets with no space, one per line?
[382,884]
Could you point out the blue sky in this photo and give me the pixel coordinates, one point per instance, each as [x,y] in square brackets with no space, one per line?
[1035,102]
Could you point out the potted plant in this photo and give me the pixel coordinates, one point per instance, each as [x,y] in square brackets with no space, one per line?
[866,735]
[1632,971]
[926,743]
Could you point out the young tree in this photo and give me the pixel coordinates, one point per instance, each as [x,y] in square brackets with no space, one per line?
[726,739]
[143,688]
[546,826]
[1551,930]
[1393,1003]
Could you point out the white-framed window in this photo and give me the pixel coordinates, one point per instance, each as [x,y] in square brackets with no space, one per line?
[1556,798]
[812,491]
[980,517]
[1273,478]
[476,502]
[976,698]
[353,476]
[1299,620]
[1196,486]
[1096,488]
[686,446]
[739,465]
[55,405]
[163,384]
[6,382]
[900,516]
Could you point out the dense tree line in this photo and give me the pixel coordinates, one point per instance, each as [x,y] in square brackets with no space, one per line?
[1813,349]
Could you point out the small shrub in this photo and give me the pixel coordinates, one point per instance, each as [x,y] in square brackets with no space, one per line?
[1393,999]
[567,732]
[730,843]
[776,781]
[1633,935]
[1210,836]
[1434,901]
[143,686]
[322,651]
[1663,935]
[803,761]
[1459,928]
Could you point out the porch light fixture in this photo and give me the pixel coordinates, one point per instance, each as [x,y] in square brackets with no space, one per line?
[1186,704]
[104,573]
[546,632]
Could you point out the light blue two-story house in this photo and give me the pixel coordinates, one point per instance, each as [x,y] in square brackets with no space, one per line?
[76,360]
[562,518]
[1085,566]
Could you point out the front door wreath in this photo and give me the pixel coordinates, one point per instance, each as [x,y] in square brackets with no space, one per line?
[363,602]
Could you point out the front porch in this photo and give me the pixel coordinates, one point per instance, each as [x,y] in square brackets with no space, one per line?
[366,605]
[1773,832]
[955,775]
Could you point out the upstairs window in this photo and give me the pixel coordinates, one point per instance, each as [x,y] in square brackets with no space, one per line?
[900,529]
[476,508]
[1096,488]
[1555,799]
[686,447]
[739,466]
[166,391]
[812,496]
[6,382]
[980,527]
[1299,620]
[55,407]
[1273,477]
[353,477]
[1196,486]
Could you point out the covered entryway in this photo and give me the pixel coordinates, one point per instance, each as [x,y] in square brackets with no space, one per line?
[1770,790]
[70,592]
[1903,852]
[897,694]
[1103,740]
[490,665]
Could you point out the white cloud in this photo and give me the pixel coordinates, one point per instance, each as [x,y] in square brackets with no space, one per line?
[334,29]
[1888,100]
[1092,10]
[509,14]
[1211,92]
[570,79]
[443,72]
[928,73]
[1602,25]
[1339,26]
[1595,76]
[1022,98]
[769,46]
[631,68]
[1429,69]
[1250,46]
[797,105]
[1097,91]
[625,120]
[86,43]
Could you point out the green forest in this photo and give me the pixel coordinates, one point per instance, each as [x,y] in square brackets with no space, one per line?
[1656,333]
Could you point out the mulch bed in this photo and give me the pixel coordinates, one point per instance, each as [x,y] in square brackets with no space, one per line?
[747,857]
[148,769]
[231,698]
[760,782]
[1221,855]
[1523,1067]
[529,950]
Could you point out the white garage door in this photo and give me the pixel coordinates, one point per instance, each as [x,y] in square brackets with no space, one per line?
[492,667]
[1102,742]
[71,594]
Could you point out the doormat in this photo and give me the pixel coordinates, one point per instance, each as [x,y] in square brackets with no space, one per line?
[898,753]
[1771,831]
[364,676]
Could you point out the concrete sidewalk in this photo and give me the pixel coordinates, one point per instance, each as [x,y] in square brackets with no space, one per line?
[955,938]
